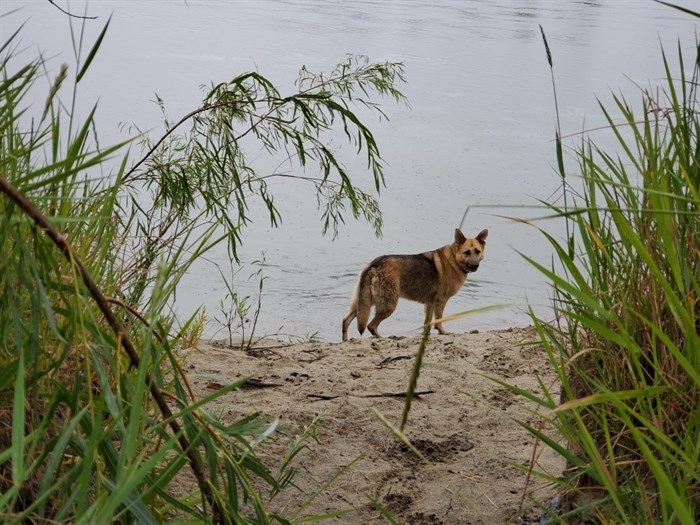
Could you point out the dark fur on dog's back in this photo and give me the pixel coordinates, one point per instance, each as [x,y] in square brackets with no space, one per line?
[423,271]
[430,278]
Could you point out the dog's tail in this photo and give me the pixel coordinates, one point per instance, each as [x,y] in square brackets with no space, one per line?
[363,298]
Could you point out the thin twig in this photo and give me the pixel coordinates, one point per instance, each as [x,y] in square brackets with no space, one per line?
[257,383]
[136,314]
[322,397]
[390,360]
[415,394]
[122,338]
[184,119]
[168,133]
[69,13]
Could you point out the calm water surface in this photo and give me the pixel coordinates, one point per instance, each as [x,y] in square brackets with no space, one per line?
[478,132]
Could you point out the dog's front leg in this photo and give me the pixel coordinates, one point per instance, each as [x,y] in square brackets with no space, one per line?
[439,309]
[435,307]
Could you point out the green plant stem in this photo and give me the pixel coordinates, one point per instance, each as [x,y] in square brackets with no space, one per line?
[413,381]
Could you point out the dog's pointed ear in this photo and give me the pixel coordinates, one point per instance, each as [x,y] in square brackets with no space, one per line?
[482,236]
[459,236]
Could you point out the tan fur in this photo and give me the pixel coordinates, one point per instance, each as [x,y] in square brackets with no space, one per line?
[430,278]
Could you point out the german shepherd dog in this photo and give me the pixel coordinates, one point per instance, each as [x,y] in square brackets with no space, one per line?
[430,278]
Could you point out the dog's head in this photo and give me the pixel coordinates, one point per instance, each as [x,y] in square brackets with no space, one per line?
[469,252]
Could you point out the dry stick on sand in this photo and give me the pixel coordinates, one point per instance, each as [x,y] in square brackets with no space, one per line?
[62,243]
[325,397]
[414,394]
[390,360]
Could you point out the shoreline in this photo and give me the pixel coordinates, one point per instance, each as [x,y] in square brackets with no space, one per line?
[218,339]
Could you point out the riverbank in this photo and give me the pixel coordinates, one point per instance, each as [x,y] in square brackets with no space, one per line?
[462,423]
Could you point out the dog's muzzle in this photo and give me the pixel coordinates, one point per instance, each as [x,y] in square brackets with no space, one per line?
[472,267]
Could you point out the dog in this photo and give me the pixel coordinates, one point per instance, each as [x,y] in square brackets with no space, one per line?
[430,278]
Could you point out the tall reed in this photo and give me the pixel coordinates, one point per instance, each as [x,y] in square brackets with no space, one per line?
[627,343]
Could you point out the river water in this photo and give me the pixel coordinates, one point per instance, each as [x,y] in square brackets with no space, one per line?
[478,132]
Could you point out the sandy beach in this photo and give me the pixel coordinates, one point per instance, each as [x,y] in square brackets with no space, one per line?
[463,423]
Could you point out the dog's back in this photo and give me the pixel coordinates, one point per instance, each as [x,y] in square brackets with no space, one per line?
[418,277]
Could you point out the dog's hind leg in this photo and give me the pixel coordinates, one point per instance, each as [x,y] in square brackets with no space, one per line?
[383,310]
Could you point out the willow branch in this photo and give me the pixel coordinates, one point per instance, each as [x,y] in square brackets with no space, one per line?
[275,104]
[168,133]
